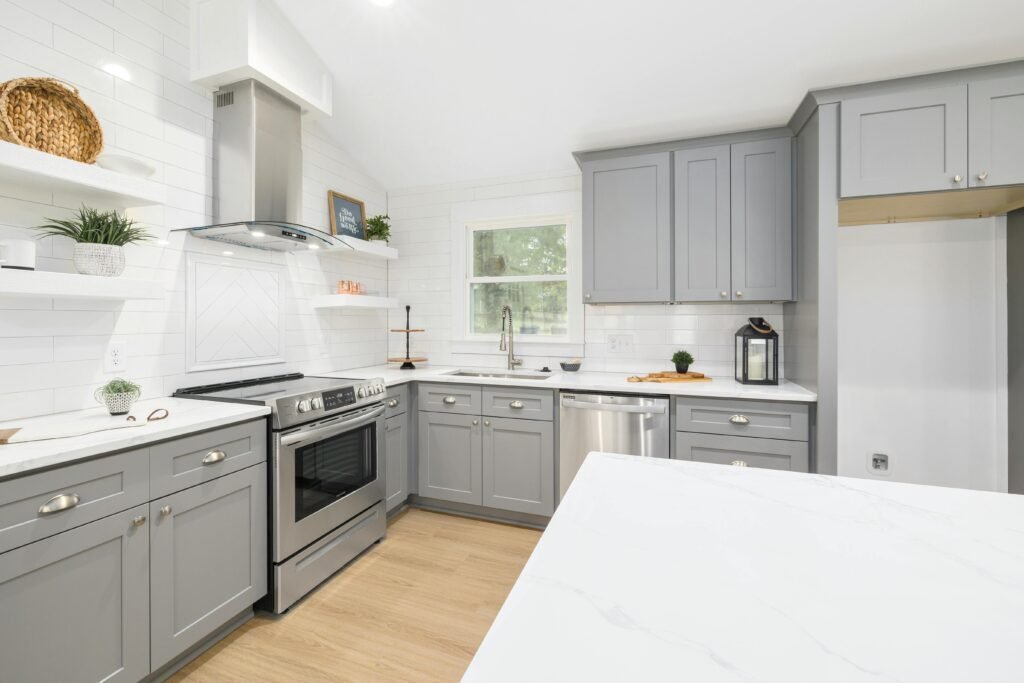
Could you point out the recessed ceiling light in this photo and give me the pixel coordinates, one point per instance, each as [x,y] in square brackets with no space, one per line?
[383,3]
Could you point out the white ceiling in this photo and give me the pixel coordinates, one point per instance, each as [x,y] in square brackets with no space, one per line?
[437,91]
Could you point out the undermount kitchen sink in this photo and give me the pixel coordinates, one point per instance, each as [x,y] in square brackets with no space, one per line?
[498,375]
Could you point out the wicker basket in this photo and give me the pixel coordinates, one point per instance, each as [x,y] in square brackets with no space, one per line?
[48,115]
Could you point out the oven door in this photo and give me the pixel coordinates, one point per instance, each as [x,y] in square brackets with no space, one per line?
[324,475]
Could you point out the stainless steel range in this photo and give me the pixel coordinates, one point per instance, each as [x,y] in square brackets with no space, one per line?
[326,470]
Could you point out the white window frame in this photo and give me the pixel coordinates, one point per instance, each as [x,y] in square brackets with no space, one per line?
[555,208]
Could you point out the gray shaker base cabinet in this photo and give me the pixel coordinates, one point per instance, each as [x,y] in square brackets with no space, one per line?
[450,457]
[208,546]
[519,465]
[76,606]
[396,471]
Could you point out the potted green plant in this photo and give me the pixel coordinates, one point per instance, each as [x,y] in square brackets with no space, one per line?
[118,395]
[99,238]
[682,361]
[378,228]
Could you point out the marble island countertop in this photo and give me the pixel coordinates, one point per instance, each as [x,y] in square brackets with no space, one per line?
[585,381]
[186,416]
[665,570]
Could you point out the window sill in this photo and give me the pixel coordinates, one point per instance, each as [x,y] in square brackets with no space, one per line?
[524,347]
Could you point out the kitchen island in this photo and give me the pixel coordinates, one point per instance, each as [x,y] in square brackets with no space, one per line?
[664,570]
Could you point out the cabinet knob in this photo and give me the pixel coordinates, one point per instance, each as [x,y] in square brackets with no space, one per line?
[516,405]
[393,403]
[166,510]
[957,178]
[449,400]
[725,294]
[138,521]
[487,423]
[586,296]
[739,420]
[739,463]
[983,176]
[476,422]
[739,293]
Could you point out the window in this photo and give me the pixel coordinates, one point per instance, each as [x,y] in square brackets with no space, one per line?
[524,267]
[523,251]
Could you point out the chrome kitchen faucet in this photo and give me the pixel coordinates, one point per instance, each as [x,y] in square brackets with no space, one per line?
[513,362]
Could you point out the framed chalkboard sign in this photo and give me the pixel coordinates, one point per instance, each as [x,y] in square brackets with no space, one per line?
[348,215]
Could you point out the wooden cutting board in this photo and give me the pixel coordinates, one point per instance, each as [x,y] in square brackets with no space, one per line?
[665,377]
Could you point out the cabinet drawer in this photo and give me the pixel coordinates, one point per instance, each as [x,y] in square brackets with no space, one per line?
[178,464]
[771,454]
[397,400]
[450,398]
[533,404]
[743,418]
[73,495]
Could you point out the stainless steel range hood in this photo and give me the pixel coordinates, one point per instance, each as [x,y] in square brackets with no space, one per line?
[257,173]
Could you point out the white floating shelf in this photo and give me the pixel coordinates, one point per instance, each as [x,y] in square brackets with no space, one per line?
[378,249]
[353,301]
[23,167]
[38,283]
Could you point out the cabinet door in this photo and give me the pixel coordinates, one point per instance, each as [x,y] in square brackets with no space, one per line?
[996,139]
[702,224]
[762,220]
[396,446]
[209,558]
[75,606]
[911,141]
[449,457]
[519,465]
[626,230]
[771,454]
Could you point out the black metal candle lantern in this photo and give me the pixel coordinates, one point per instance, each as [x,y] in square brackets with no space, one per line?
[757,353]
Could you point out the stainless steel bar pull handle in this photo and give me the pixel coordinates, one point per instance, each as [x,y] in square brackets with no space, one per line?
[739,463]
[449,400]
[739,420]
[214,457]
[516,405]
[62,501]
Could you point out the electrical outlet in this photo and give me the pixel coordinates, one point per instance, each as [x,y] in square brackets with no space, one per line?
[620,343]
[117,357]
[879,463]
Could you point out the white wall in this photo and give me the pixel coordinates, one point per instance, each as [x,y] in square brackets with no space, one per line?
[51,350]
[922,351]
[422,233]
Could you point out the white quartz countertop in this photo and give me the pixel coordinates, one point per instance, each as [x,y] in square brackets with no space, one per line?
[186,416]
[587,381]
[666,570]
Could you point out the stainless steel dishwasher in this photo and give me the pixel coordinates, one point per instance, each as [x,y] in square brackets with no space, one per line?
[634,425]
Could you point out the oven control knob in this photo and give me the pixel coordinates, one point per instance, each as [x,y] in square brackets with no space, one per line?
[302,406]
[361,393]
[380,388]
[317,403]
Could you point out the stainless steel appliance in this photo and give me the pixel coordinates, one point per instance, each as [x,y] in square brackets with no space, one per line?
[326,473]
[634,425]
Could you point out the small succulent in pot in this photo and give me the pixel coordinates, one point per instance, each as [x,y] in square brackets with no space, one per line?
[99,238]
[682,360]
[378,228]
[118,395]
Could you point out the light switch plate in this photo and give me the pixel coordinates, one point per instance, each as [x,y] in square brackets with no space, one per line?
[620,343]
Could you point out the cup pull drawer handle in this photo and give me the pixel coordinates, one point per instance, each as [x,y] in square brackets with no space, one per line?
[739,463]
[516,405]
[739,420]
[449,400]
[62,501]
[214,457]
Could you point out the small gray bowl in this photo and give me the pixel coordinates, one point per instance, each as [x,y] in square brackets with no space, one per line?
[570,367]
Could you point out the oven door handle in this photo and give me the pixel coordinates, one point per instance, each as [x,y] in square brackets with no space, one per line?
[332,429]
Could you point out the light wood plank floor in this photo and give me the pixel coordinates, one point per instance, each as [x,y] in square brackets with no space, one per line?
[413,608]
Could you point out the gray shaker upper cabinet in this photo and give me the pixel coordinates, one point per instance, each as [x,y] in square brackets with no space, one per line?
[996,132]
[702,224]
[627,238]
[902,142]
[762,220]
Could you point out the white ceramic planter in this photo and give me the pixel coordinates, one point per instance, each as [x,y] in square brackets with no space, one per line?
[99,259]
[117,404]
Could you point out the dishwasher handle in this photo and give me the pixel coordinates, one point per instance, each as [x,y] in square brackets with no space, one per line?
[613,407]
